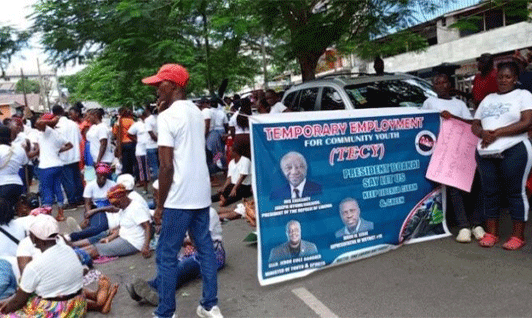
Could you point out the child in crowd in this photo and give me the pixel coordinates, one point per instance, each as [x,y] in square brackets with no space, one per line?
[238,183]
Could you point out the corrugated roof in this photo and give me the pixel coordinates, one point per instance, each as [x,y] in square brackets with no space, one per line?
[9,99]
[443,9]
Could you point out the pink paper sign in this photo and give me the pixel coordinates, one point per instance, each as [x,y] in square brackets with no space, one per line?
[453,161]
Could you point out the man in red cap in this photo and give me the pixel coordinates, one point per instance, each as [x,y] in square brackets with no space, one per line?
[184,191]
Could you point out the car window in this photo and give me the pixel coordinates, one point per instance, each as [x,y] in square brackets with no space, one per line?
[394,93]
[290,100]
[331,99]
[307,100]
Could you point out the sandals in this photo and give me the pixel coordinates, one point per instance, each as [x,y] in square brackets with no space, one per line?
[514,243]
[104,259]
[489,240]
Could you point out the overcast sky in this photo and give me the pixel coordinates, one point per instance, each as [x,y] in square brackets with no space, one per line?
[14,13]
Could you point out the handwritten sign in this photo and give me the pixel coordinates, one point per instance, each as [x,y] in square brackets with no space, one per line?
[453,161]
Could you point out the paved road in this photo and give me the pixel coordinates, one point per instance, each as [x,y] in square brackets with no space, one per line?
[433,279]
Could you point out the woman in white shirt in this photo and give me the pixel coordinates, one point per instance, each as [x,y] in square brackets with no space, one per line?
[51,144]
[43,288]
[12,158]
[140,135]
[135,229]
[504,154]
[99,139]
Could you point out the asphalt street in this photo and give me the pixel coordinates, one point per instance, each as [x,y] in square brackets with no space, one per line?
[439,278]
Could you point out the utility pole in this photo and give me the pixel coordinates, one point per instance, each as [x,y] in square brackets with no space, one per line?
[43,91]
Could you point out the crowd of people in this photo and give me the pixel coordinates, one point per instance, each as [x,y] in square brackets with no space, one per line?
[90,160]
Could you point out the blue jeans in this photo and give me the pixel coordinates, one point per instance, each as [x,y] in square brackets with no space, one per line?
[506,176]
[50,179]
[174,226]
[71,180]
[153,162]
[98,223]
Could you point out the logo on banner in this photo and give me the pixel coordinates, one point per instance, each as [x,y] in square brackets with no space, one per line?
[425,142]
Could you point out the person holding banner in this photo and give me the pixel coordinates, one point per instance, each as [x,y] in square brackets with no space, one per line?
[504,154]
[293,248]
[294,167]
[450,107]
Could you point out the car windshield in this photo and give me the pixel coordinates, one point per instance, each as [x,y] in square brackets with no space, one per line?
[408,92]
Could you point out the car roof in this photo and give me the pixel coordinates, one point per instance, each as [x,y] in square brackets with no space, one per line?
[344,80]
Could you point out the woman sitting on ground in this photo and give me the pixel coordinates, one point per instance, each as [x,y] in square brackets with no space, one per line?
[135,230]
[57,292]
[100,215]
[238,183]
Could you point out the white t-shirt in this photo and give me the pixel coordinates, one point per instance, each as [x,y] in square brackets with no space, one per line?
[134,195]
[238,130]
[500,110]
[99,195]
[278,108]
[151,125]
[219,118]
[454,106]
[131,219]
[47,279]
[94,135]
[208,114]
[7,246]
[236,169]
[215,227]
[27,249]
[70,131]
[12,158]
[182,127]
[50,142]
[139,129]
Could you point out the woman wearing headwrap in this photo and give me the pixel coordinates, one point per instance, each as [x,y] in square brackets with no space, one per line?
[51,144]
[98,211]
[12,158]
[135,229]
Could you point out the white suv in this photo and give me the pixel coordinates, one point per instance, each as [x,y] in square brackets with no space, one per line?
[365,91]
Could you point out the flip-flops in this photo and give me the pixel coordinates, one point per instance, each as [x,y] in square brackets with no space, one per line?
[104,259]
[514,243]
[489,240]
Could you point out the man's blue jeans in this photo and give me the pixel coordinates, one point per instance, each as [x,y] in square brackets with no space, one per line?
[71,181]
[175,224]
[50,179]
[153,162]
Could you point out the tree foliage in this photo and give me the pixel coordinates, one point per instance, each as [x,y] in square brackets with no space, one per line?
[27,85]
[308,27]
[125,40]
[11,41]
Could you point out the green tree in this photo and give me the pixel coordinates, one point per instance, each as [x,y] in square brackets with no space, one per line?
[11,41]
[306,28]
[125,40]
[28,85]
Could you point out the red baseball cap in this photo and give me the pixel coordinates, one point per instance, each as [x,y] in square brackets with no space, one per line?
[169,72]
[48,116]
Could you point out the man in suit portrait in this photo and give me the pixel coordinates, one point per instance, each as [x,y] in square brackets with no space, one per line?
[294,247]
[353,223]
[294,167]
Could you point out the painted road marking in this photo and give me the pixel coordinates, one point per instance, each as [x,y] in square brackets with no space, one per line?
[314,303]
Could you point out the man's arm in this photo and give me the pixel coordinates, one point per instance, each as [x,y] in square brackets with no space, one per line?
[103,148]
[152,135]
[166,173]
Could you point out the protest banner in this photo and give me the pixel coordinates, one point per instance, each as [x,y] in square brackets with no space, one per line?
[332,187]
[453,161]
